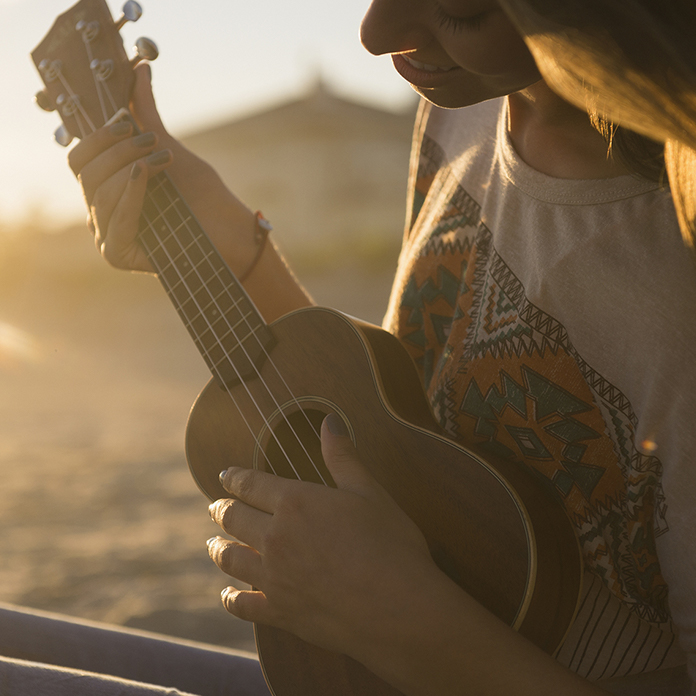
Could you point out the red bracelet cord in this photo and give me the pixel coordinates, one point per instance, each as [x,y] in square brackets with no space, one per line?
[263,227]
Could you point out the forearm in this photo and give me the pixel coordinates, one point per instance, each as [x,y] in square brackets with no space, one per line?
[273,286]
[232,228]
[447,643]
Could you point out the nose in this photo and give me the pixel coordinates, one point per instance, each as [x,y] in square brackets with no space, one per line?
[394,26]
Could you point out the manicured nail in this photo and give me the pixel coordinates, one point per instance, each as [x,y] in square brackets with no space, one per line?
[211,541]
[136,170]
[122,128]
[221,476]
[212,508]
[145,140]
[336,425]
[159,158]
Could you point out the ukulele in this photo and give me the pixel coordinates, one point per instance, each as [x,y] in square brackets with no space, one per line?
[492,526]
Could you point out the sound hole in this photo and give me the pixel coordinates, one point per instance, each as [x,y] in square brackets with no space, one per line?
[294,450]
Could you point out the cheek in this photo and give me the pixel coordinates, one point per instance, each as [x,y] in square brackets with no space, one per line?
[496,49]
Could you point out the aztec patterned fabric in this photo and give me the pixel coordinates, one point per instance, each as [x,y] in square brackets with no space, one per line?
[517,296]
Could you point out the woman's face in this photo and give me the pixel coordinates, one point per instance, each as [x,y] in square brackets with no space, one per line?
[453,52]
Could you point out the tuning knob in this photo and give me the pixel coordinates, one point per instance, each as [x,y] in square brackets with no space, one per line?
[132,12]
[63,137]
[145,49]
[44,101]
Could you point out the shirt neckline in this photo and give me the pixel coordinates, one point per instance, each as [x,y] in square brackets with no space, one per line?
[551,189]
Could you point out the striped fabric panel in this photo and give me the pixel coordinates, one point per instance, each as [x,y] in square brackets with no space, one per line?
[608,640]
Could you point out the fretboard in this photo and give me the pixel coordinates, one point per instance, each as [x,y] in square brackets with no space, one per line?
[225,325]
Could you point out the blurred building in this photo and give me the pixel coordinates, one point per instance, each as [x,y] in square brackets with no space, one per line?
[329,173]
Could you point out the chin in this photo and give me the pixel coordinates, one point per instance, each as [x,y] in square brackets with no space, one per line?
[475,89]
[447,100]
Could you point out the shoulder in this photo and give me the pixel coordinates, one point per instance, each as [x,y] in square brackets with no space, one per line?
[451,144]
[453,131]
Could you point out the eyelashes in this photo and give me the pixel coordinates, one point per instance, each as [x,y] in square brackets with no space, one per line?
[457,24]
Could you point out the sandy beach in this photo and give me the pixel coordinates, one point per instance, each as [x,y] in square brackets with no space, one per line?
[100,518]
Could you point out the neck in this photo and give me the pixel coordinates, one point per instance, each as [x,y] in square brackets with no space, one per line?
[556,138]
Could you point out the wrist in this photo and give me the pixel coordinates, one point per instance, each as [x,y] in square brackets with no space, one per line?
[262,229]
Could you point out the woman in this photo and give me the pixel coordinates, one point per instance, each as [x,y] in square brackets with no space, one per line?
[507,200]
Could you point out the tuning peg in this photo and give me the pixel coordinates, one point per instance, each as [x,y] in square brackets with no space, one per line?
[89,30]
[132,12]
[50,69]
[44,101]
[63,137]
[145,49]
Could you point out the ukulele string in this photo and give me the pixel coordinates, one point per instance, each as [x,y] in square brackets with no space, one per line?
[214,367]
[75,101]
[232,330]
[106,89]
[172,204]
[268,357]
[99,84]
[240,343]
[160,269]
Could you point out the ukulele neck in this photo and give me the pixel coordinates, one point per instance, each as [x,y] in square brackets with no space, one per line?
[226,327]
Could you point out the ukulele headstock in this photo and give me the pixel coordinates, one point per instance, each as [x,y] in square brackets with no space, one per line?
[87,74]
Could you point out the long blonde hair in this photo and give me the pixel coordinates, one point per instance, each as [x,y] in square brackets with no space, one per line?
[630,61]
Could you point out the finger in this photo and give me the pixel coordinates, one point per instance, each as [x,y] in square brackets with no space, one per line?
[120,155]
[104,138]
[119,246]
[259,489]
[143,104]
[248,605]
[342,459]
[237,560]
[96,143]
[241,521]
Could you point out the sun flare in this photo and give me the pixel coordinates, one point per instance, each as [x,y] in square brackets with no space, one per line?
[17,345]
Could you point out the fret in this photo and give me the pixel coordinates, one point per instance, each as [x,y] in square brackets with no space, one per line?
[215,286]
[195,254]
[223,331]
[249,340]
[226,327]
[216,353]
[227,335]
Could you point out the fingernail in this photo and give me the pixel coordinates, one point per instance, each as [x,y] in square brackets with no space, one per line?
[221,476]
[121,128]
[211,509]
[159,158]
[136,170]
[145,140]
[210,541]
[336,425]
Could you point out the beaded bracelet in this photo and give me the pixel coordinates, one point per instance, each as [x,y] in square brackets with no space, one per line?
[263,227]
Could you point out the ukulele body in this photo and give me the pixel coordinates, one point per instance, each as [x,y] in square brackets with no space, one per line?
[492,527]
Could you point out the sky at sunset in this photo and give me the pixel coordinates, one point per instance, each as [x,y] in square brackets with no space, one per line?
[219,59]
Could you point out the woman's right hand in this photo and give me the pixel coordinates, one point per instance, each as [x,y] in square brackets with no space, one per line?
[113,167]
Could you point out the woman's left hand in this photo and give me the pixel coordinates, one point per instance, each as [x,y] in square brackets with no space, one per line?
[331,565]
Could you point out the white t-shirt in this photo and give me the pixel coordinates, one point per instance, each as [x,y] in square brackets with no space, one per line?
[554,321]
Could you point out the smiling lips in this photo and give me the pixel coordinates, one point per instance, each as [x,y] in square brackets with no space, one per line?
[420,74]
[424,66]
